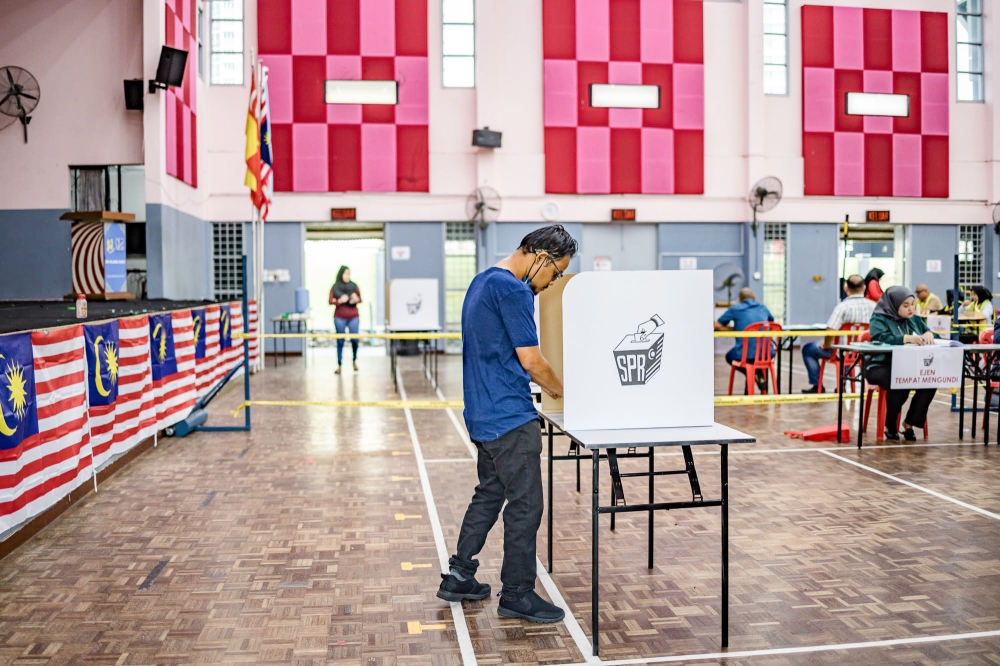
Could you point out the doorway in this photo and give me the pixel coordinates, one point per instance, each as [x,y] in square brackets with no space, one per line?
[618,247]
[871,246]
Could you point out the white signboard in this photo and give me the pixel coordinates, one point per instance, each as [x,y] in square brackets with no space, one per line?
[602,263]
[413,305]
[916,367]
[277,275]
[689,263]
[643,358]
[940,324]
[933,265]
[400,252]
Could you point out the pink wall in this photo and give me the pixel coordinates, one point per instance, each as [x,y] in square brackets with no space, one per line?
[80,51]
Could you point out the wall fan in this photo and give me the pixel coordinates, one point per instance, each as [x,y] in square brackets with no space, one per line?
[763,196]
[19,95]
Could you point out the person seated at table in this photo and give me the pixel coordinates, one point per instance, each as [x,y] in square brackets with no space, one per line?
[893,323]
[855,309]
[873,290]
[927,303]
[737,318]
[978,306]
[949,296]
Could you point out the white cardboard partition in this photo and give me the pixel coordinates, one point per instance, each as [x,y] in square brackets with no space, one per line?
[413,305]
[638,350]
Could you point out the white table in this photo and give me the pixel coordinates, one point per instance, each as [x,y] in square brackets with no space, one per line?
[603,444]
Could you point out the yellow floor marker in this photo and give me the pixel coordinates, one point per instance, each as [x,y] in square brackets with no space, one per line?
[400,453]
[402,478]
[403,516]
[410,566]
[419,628]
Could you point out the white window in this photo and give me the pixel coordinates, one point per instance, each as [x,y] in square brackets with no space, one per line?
[227,42]
[969,47]
[201,41]
[970,256]
[776,269]
[458,43]
[775,47]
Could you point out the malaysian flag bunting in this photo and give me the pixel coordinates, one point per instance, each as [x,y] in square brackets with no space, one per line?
[171,338]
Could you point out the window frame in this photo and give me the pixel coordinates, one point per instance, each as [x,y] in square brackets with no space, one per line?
[784,35]
[981,74]
[445,58]
[242,52]
[200,37]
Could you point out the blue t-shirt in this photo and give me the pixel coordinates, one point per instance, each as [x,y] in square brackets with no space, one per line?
[498,316]
[742,315]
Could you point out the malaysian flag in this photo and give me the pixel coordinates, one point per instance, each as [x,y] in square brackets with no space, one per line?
[135,409]
[171,338]
[266,152]
[103,353]
[44,447]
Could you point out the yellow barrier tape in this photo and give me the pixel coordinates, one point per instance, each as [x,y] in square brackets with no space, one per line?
[780,399]
[357,336]
[458,404]
[382,404]
[787,334]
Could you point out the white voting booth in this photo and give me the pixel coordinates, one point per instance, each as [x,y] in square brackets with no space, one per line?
[634,349]
[413,305]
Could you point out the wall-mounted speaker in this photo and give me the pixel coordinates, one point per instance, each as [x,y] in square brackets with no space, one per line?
[486,138]
[133,94]
[170,70]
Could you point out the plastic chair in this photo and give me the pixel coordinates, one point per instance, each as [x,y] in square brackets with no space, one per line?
[763,359]
[880,407]
[986,338]
[850,358]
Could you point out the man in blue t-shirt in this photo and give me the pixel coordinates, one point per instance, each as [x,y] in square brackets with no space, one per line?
[737,318]
[500,355]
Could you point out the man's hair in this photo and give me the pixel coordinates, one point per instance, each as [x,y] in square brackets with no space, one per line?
[553,239]
[746,293]
[855,283]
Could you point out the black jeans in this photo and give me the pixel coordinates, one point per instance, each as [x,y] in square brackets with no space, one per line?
[916,416]
[510,468]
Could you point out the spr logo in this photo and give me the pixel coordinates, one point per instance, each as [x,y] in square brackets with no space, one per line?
[928,360]
[637,356]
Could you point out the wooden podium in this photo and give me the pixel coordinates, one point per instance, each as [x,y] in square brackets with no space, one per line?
[98,251]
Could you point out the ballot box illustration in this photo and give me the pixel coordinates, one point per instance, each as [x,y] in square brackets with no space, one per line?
[638,355]
[412,304]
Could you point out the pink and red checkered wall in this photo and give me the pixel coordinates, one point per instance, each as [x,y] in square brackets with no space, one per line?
[850,49]
[335,148]
[646,151]
[181,112]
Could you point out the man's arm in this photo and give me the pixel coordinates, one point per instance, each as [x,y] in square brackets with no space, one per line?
[539,370]
[720,327]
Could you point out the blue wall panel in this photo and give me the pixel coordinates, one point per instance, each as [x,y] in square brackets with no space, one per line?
[426,243]
[812,254]
[712,244]
[284,247]
[178,254]
[933,242]
[35,254]
[502,238]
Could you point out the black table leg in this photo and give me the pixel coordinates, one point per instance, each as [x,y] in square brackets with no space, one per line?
[578,470]
[548,427]
[840,397]
[781,343]
[861,398]
[961,403]
[975,397]
[595,563]
[649,547]
[725,545]
[791,362]
[987,398]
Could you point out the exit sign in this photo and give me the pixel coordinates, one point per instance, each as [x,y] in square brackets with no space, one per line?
[623,214]
[877,215]
[343,213]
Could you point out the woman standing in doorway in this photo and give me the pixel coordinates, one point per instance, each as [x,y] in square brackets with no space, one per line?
[346,296]
[873,290]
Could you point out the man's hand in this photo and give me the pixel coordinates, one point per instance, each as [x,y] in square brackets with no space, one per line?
[539,370]
[720,327]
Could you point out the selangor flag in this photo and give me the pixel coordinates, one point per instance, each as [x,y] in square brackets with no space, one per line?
[266,154]
[252,179]
[103,354]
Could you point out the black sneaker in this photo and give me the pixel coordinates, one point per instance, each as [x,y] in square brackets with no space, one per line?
[811,389]
[761,382]
[892,436]
[909,435]
[530,607]
[453,589]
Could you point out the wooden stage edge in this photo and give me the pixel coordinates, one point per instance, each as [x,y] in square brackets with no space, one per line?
[42,520]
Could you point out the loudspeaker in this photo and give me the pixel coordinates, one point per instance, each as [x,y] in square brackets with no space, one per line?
[133,94]
[486,138]
[170,70]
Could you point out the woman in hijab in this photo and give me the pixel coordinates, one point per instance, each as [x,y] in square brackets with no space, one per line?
[873,290]
[949,295]
[979,305]
[893,323]
[346,296]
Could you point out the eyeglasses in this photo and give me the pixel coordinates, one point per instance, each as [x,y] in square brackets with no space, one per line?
[557,273]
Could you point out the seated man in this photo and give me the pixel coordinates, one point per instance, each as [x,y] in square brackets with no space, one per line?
[855,309]
[927,303]
[737,318]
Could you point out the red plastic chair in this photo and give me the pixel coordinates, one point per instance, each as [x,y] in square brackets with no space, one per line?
[850,358]
[763,359]
[986,338]
[880,406]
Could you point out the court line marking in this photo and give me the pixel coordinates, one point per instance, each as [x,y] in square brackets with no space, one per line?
[960,503]
[572,626]
[454,419]
[434,461]
[741,654]
[457,613]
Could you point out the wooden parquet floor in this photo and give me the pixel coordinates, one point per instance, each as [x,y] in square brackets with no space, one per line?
[310,541]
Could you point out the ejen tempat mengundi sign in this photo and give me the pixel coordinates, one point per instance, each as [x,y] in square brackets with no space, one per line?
[916,367]
[637,350]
